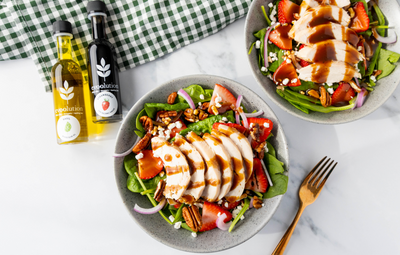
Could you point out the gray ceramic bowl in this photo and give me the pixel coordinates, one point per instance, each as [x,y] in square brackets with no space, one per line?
[155,225]
[255,21]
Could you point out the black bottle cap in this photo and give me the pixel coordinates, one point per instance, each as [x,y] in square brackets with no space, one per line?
[62,26]
[96,6]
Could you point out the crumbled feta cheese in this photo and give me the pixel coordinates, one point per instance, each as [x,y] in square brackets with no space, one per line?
[270,77]
[218,214]
[200,205]
[359,48]
[266,124]
[220,202]
[139,156]
[171,126]
[270,5]
[226,204]
[294,80]
[178,124]
[194,234]
[285,81]
[262,204]
[218,105]
[329,84]
[178,225]
[162,174]
[263,69]
[199,103]
[229,121]
[160,128]
[373,78]
[288,61]
[218,98]
[269,42]
[167,132]
[224,118]
[171,218]
[258,44]
[330,90]
[239,207]
[242,217]
[273,13]
[251,125]
[201,96]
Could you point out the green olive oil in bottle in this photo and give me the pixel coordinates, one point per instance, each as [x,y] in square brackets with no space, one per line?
[67,85]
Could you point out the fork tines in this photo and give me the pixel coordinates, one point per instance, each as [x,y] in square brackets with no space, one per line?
[324,170]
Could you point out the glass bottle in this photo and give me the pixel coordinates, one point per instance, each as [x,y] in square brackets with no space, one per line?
[102,69]
[67,86]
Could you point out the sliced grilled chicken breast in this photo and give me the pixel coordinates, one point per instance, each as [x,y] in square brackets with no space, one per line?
[328,72]
[239,181]
[224,161]
[244,146]
[176,167]
[322,14]
[325,32]
[212,174]
[330,50]
[197,169]
[307,4]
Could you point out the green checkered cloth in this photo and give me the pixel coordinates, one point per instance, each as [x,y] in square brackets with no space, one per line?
[141,30]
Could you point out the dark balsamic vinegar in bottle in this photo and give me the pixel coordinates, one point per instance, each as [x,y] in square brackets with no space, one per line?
[102,69]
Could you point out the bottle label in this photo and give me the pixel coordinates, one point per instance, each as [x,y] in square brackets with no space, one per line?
[105,104]
[68,128]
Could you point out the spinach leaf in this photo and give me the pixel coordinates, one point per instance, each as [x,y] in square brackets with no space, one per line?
[261,35]
[374,60]
[279,54]
[305,85]
[271,149]
[381,19]
[205,126]
[385,62]
[139,125]
[279,180]
[130,164]
[194,91]
[139,133]
[301,108]
[265,15]
[153,108]
[361,67]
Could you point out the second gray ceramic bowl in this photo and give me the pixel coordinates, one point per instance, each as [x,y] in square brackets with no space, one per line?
[155,225]
[255,21]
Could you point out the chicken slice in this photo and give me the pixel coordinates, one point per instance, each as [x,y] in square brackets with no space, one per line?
[320,15]
[307,4]
[212,174]
[239,181]
[328,72]
[330,50]
[176,167]
[197,169]
[243,144]
[225,163]
[326,32]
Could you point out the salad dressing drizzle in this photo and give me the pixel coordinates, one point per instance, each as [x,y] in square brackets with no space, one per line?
[320,72]
[325,32]
[324,16]
[325,51]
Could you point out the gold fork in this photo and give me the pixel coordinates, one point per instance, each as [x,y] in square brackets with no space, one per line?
[308,193]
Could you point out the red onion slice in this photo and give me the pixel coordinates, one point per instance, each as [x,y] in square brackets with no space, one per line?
[389,40]
[266,63]
[251,202]
[152,210]
[237,118]
[221,224]
[361,97]
[240,110]
[187,98]
[266,172]
[120,155]
[260,112]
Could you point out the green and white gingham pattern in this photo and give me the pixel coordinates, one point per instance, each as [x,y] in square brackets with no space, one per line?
[141,31]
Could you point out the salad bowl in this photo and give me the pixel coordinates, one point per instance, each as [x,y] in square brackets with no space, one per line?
[384,88]
[154,225]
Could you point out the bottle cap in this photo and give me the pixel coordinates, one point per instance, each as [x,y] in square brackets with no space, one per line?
[96,7]
[62,26]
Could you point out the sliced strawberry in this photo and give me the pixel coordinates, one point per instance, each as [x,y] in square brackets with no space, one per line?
[266,126]
[149,166]
[286,9]
[343,94]
[229,206]
[226,99]
[280,37]
[360,22]
[176,130]
[210,216]
[303,63]
[286,71]
[239,128]
[258,180]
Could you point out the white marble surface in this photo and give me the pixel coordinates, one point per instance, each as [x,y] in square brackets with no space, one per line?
[63,199]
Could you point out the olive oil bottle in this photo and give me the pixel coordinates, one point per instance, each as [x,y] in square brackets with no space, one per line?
[102,69]
[68,93]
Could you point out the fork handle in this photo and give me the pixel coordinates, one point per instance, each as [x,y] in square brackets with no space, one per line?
[280,248]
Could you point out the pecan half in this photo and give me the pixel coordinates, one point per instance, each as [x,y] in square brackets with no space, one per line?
[142,144]
[166,114]
[172,97]
[325,97]
[202,115]
[260,147]
[204,106]
[313,93]
[158,195]
[192,217]
[257,202]
[355,86]
[147,123]
[255,132]
[376,73]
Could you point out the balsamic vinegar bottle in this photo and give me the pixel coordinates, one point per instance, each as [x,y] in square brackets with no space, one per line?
[68,90]
[102,69]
